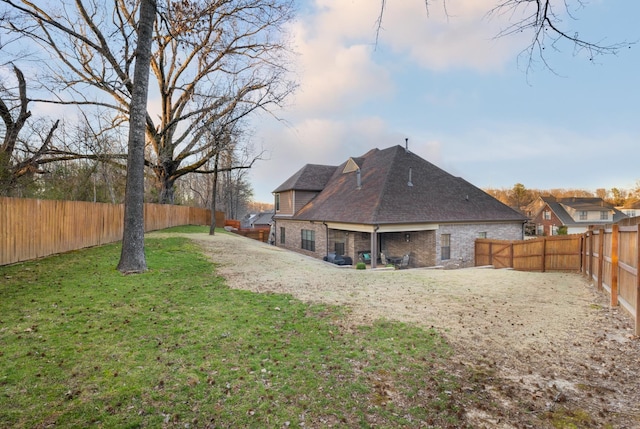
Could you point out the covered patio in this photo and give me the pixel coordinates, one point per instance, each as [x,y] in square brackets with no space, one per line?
[379,245]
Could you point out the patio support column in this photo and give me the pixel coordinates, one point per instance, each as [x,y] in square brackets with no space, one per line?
[374,247]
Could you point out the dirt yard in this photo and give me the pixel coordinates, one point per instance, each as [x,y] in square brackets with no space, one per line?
[545,346]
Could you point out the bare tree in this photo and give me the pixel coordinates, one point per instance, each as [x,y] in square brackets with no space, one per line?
[214,63]
[19,158]
[543,21]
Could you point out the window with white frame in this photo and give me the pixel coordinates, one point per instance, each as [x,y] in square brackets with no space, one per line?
[309,240]
[583,214]
[604,215]
[546,215]
[445,246]
[482,234]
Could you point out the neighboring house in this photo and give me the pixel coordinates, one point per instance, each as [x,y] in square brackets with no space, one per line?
[574,213]
[261,220]
[257,220]
[631,208]
[390,201]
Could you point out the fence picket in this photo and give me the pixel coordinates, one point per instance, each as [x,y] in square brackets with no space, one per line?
[32,229]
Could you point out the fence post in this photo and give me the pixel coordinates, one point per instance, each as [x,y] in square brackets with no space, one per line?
[600,258]
[637,315]
[511,256]
[614,264]
[491,253]
[544,254]
[591,254]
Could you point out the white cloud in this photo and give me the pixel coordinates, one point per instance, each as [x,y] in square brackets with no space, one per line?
[451,35]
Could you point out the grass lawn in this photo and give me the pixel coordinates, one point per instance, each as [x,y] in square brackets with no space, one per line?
[82,345]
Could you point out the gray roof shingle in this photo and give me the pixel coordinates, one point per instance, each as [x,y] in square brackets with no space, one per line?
[385,196]
[311,177]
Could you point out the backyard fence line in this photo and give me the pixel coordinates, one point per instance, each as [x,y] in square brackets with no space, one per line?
[31,228]
[611,258]
[555,253]
[258,233]
[608,255]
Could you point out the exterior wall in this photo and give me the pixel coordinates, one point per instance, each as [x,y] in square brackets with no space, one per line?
[463,237]
[293,237]
[577,229]
[360,242]
[286,203]
[292,201]
[421,247]
[547,224]
[592,215]
[302,198]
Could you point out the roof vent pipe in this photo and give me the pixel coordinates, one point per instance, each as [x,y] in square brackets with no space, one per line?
[358,179]
[406,144]
[410,183]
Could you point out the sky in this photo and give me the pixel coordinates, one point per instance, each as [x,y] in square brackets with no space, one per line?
[465,100]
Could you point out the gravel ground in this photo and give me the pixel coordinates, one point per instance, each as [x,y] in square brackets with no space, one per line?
[544,345]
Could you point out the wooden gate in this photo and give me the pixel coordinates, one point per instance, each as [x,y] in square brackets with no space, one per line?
[498,253]
[502,255]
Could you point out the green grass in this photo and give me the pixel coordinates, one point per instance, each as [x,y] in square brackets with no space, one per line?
[82,345]
[191,229]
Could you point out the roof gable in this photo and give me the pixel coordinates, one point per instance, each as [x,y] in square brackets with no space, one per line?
[353,164]
[311,177]
[397,186]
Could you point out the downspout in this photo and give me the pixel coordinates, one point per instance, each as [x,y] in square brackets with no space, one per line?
[374,247]
[275,232]
[326,238]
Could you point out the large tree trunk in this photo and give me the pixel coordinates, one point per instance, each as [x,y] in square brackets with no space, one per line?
[167,193]
[214,194]
[132,258]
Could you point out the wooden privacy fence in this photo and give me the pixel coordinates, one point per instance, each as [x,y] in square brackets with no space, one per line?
[260,234]
[611,259]
[608,255]
[32,229]
[555,253]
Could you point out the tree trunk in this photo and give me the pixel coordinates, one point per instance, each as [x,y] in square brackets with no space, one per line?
[167,194]
[212,228]
[132,258]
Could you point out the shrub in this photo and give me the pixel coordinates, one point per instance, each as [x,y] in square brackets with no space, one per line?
[361,266]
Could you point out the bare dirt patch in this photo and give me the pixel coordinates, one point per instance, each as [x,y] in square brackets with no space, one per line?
[543,347]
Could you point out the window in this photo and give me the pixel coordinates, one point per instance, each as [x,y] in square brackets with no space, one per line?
[339,248]
[604,215]
[282,237]
[309,240]
[277,202]
[540,229]
[546,215]
[445,246]
[583,214]
[482,234]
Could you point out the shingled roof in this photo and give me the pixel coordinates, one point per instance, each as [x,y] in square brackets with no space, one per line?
[396,186]
[311,177]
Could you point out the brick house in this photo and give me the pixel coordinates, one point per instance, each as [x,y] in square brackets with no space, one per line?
[389,201]
[575,213]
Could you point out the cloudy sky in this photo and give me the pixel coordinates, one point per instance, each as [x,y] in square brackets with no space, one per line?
[464,99]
